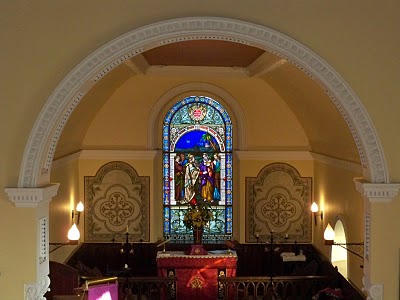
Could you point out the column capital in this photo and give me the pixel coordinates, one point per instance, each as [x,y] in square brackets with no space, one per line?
[31,197]
[377,192]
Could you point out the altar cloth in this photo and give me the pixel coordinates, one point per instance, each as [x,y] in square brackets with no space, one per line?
[197,275]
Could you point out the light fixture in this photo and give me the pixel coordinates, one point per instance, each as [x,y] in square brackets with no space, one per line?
[79,209]
[73,237]
[314,209]
[73,233]
[329,237]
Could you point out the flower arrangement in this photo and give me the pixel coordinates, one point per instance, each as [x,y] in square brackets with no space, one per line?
[198,215]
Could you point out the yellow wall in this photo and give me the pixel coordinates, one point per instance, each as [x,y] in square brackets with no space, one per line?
[61,206]
[335,194]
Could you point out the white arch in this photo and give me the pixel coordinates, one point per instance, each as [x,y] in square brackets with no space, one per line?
[39,151]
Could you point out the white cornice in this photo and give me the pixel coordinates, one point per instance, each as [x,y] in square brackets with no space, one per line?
[298,155]
[106,154]
[377,192]
[274,155]
[31,197]
[343,164]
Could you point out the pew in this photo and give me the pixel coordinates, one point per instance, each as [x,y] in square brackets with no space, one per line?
[63,280]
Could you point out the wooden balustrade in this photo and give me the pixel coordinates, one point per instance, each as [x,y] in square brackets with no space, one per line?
[263,287]
[148,288]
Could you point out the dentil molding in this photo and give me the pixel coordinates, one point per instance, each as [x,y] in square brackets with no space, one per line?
[31,197]
[377,192]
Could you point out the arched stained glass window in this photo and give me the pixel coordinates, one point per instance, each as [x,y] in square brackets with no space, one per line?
[197,166]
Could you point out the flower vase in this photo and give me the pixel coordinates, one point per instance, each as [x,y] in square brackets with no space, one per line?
[198,235]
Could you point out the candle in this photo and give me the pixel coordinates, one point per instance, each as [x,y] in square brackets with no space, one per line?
[257,236]
[127,228]
[126,266]
[286,235]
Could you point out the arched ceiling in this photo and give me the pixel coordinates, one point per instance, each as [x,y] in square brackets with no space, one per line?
[323,124]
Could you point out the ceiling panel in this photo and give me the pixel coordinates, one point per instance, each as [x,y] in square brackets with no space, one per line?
[203,53]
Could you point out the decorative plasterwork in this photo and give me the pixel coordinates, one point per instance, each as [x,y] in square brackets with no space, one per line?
[36,291]
[117,201]
[278,201]
[31,197]
[374,291]
[44,136]
[377,192]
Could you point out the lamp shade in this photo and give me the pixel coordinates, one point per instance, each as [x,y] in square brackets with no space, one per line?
[329,234]
[73,233]
[79,207]
[314,207]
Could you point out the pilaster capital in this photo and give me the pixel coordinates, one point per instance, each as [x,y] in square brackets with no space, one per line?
[377,192]
[31,197]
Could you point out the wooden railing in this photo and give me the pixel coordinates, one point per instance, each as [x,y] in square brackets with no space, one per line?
[278,287]
[147,288]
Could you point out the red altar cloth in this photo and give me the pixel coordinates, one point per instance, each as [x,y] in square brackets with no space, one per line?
[197,275]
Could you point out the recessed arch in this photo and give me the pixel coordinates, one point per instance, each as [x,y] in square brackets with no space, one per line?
[43,139]
[236,112]
[339,254]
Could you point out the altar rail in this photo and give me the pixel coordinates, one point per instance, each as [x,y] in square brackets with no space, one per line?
[147,288]
[260,287]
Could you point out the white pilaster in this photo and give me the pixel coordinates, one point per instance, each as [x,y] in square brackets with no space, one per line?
[373,193]
[38,198]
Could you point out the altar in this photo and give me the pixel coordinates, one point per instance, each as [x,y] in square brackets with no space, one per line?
[197,275]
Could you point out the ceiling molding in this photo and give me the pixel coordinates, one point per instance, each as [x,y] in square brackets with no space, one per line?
[137,64]
[339,163]
[185,71]
[264,65]
[107,155]
[273,155]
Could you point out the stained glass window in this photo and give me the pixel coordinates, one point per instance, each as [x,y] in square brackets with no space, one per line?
[197,166]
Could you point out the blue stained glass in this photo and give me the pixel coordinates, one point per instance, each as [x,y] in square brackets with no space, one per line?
[166,220]
[197,136]
[229,220]
[195,141]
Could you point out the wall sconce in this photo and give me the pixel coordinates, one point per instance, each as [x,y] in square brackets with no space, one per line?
[79,209]
[329,237]
[73,237]
[314,209]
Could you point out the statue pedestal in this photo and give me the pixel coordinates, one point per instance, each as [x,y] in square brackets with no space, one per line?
[197,249]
